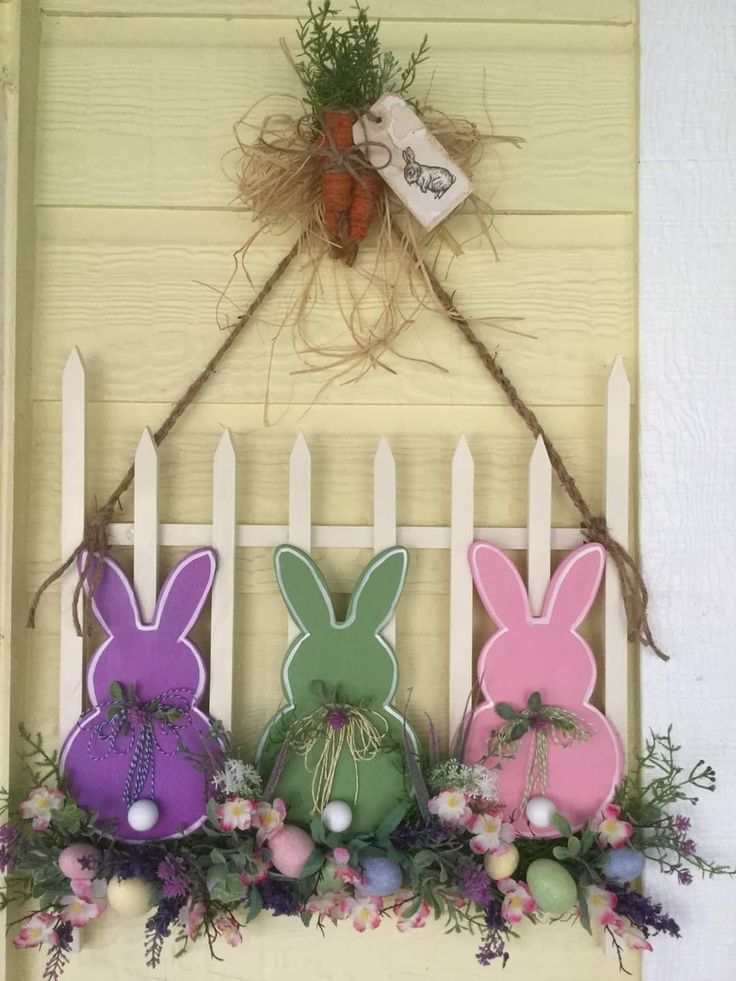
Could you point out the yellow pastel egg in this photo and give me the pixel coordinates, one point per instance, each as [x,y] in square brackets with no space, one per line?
[503,863]
[129,897]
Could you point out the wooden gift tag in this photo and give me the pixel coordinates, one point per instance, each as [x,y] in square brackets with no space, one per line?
[419,171]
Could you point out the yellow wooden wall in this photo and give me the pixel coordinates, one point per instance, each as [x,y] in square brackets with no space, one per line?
[133,112]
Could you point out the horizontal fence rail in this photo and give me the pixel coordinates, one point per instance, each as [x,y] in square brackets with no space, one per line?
[147,534]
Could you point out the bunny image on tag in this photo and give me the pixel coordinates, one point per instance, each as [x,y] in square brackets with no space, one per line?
[541,669]
[413,163]
[126,758]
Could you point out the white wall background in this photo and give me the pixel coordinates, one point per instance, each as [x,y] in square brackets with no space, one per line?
[688,437]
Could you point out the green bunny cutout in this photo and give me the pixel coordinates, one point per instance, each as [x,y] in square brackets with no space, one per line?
[346,741]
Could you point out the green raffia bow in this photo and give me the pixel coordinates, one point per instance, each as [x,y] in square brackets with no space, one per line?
[328,731]
[544,722]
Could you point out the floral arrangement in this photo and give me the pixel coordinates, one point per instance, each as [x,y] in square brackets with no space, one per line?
[447,855]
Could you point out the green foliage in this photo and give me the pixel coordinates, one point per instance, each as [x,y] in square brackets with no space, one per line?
[343,65]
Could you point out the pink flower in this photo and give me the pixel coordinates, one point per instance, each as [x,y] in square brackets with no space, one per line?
[259,871]
[269,818]
[404,902]
[518,901]
[37,930]
[79,912]
[489,832]
[335,904]
[601,904]
[365,911]
[191,917]
[339,866]
[610,830]
[229,929]
[39,805]
[91,891]
[451,806]
[235,813]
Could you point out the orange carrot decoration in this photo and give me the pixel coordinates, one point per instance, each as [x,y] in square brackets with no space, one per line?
[344,71]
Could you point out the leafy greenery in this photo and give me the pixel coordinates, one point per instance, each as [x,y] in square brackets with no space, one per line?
[343,65]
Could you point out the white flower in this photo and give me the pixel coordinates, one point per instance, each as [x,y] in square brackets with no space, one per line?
[237,779]
[39,804]
[451,806]
[473,779]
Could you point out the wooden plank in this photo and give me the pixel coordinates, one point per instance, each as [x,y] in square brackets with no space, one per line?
[567,280]
[422,455]
[540,522]
[145,556]
[461,584]
[618,395]
[582,11]
[300,503]
[73,470]
[223,590]
[181,84]
[384,511]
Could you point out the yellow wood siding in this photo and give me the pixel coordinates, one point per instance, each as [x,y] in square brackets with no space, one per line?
[135,107]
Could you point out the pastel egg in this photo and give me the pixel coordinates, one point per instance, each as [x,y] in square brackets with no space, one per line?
[552,886]
[624,865]
[290,849]
[80,861]
[502,863]
[381,876]
[337,816]
[143,815]
[129,897]
[540,811]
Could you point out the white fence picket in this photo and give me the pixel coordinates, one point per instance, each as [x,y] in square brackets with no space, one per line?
[540,526]
[616,645]
[145,524]
[73,449]
[384,511]
[300,503]
[461,584]
[223,589]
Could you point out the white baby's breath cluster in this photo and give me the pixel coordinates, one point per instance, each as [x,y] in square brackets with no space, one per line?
[472,779]
[238,779]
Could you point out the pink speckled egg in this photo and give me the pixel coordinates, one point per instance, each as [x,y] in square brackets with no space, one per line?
[80,861]
[290,850]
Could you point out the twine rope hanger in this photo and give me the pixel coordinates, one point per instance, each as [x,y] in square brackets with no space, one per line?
[594,527]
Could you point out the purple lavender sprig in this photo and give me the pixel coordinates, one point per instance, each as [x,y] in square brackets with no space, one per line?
[158,928]
[58,956]
[495,936]
[642,911]
[9,845]
[280,897]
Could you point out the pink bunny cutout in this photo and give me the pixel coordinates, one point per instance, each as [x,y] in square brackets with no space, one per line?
[144,682]
[543,654]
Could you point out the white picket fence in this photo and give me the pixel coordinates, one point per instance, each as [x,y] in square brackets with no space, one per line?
[147,534]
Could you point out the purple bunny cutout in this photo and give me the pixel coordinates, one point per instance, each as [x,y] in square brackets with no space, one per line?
[144,682]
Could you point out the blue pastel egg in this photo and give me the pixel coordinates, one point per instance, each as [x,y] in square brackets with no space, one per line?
[381,876]
[624,865]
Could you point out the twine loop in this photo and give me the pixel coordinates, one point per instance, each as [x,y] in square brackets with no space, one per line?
[321,737]
[139,730]
[542,722]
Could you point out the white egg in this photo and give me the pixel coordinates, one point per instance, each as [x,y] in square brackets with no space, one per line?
[337,816]
[142,815]
[540,811]
[129,897]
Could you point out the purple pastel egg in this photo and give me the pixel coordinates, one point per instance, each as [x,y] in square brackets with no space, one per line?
[381,876]
[624,865]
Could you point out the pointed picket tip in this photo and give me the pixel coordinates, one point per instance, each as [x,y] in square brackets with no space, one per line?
[74,370]
[384,457]
[146,446]
[300,450]
[462,452]
[618,380]
[539,459]
[225,447]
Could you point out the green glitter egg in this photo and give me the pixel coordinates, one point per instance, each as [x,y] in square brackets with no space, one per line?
[552,886]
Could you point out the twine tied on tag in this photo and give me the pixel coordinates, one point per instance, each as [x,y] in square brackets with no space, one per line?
[542,722]
[324,734]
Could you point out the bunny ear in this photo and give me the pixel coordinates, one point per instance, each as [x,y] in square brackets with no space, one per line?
[574,586]
[304,590]
[377,591]
[500,587]
[185,591]
[408,155]
[113,600]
